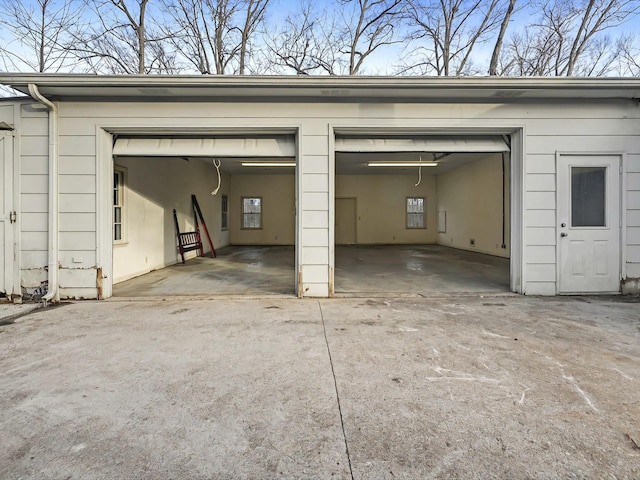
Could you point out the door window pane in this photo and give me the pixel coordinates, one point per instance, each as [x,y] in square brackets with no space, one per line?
[588,196]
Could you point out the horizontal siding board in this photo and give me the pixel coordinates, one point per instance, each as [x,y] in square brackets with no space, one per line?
[34,146]
[226,112]
[34,183]
[314,201]
[582,126]
[73,241]
[315,289]
[33,110]
[315,237]
[77,222]
[540,236]
[541,218]
[78,259]
[633,235]
[34,241]
[541,254]
[77,145]
[77,278]
[315,256]
[633,254]
[540,182]
[34,165]
[588,143]
[633,181]
[633,200]
[633,163]
[77,183]
[315,219]
[34,258]
[315,164]
[314,182]
[34,222]
[35,126]
[541,164]
[77,165]
[77,202]
[34,202]
[541,288]
[540,272]
[633,218]
[315,273]
[315,144]
[540,200]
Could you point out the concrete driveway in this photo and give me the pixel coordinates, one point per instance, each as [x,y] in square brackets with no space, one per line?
[450,387]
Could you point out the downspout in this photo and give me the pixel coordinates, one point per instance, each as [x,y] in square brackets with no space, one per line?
[53,293]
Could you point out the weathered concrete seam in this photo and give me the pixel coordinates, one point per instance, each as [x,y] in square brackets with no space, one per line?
[335,385]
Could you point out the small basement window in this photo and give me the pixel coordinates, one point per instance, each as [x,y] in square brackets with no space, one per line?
[251,212]
[118,206]
[415,212]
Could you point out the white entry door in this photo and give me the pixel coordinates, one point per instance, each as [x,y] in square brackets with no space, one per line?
[588,224]
[6,219]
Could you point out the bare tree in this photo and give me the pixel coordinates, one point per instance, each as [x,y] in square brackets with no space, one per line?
[568,39]
[37,32]
[497,48]
[304,43]
[121,40]
[446,33]
[629,56]
[214,36]
[368,26]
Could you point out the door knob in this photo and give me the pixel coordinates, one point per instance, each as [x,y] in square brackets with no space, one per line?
[564,234]
[563,225]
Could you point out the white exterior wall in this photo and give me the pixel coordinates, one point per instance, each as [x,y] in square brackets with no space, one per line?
[595,127]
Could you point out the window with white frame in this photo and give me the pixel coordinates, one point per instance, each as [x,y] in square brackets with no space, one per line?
[118,205]
[415,212]
[251,212]
[224,214]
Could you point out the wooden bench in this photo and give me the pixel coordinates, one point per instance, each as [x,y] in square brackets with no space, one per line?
[188,241]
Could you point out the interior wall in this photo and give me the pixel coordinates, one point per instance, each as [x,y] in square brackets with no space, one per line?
[278,209]
[471,197]
[153,188]
[381,207]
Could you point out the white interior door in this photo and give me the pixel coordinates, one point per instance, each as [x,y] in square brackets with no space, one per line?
[6,203]
[588,224]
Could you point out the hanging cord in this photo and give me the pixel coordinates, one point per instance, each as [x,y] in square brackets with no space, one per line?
[419,172]
[217,163]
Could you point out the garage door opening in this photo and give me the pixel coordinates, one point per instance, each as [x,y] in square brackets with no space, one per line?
[253,236]
[422,215]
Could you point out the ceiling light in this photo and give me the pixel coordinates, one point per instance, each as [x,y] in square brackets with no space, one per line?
[402,164]
[268,164]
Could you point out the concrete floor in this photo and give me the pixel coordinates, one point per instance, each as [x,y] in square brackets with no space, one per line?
[360,270]
[399,388]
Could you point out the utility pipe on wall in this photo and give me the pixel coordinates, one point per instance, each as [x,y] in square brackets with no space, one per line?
[53,293]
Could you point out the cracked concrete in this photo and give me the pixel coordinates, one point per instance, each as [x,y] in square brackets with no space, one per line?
[443,387]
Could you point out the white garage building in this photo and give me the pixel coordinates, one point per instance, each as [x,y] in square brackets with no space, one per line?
[542,174]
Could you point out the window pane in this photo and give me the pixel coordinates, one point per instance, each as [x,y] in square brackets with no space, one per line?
[117,232]
[588,193]
[117,215]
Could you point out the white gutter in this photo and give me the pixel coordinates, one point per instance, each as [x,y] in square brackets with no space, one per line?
[53,293]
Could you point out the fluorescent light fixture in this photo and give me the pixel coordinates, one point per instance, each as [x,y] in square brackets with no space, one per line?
[268,164]
[402,164]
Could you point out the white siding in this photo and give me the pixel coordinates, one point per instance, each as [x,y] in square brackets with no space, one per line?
[33,149]
[588,127]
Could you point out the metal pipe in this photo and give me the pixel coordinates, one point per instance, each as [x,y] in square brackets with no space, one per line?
[53,293]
